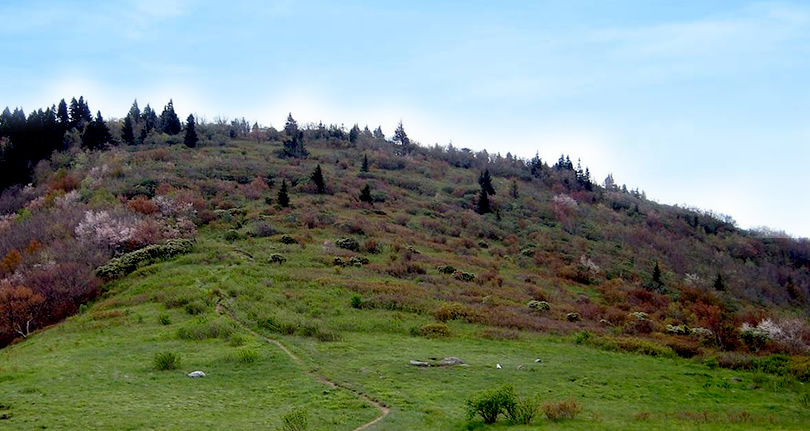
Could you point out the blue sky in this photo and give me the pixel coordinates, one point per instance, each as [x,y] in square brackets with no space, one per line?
[695,102]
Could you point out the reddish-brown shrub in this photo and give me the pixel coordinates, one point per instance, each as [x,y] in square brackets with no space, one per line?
[19,307]
[141,204]
[10,261]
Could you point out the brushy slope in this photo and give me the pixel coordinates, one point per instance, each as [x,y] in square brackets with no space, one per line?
[358,289]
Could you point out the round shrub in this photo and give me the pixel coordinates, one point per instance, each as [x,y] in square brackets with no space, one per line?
[164,361]
[348,244]
[432,330]
[539,305]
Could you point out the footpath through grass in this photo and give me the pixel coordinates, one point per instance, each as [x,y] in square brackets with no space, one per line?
[96,371]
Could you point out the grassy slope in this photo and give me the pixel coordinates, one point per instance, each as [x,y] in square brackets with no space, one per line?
[95,370]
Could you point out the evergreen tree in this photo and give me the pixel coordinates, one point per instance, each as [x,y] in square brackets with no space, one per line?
[378,134]
[484,205]
[401,139]
[79,113]
[128,132]
[365,195]
[536,166]
[135,111]
[150,120]
[190,139]
[719,284]
[96,134]
[283,197]
[364,167]
[62,116]
[318,180]
[514,190]
[656,274]
[485,181]
[169,122]
[354,133]
[293,140]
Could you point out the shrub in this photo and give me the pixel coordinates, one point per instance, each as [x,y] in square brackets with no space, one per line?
[164,361]
[464,276]
[245,356]
[572,317]
[195,307]
[128,262]
[295,420]
[539,305]
[491,403]
[523,410]
[358,261]
[357,302]
[164,319]
[203,329]
[446,269]
[263,229]
[449,311]
[348,244]
[286,239]
[432,330]
[231,235]
[558,410]
[277,258]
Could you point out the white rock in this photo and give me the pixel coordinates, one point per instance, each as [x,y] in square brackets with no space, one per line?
[196,374]
[498,366]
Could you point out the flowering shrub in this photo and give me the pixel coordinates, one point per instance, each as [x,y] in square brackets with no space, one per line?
[103,228]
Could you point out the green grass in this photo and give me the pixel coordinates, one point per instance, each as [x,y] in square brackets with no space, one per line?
[98,373]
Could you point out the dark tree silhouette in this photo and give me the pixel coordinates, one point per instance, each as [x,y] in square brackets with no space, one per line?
[354,133]
[190,139]
[401,139]
[364,167]
[135,111]
[283,197]
[80,114]
[62,116]
[96,134]
[169,122]
[656,274]
[318,180]
[485,181]
[365,194]
[484,205]
[293,145]
[128,131]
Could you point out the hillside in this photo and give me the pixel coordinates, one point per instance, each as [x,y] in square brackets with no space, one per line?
[356,283]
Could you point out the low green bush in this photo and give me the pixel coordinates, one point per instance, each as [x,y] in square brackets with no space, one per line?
[164,361]
[125,264]
[492,403]
[204,329]
[432,330]
[295,420]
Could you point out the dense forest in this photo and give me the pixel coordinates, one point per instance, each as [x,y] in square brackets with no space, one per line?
[79,190]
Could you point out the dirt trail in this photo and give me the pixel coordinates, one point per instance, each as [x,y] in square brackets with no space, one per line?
[383,409]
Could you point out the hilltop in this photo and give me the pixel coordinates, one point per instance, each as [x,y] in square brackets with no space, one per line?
[378,252]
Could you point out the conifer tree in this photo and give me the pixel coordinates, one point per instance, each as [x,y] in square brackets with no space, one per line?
[190,139]
[283,197]
[318,180]
[365,194]
[294,139]
[485,181]
[656,274]
[719,284]
[364,167]
[128,132]
[514,190]
[96,134]
[354,133]
[79,113]
[135,111]
[169,122]
[62,116]
[401,139]
[150,120]
[484,205]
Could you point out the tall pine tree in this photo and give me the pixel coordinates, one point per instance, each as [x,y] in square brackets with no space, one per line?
[96,134]
[485,181]
[190,139]
[283,197]
[169,122]
[128,131]
[318,180]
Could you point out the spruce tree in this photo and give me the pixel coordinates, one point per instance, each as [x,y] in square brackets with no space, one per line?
[354,133]
[150,120]
[62,116]
[401,138]
[364,167]
[283,197]
[719,284]
[128,132]
[169,122]
[294,140]
[96,134]
[656,274]
[485,181]
[365,194]
[318,180]
[514,190]
[135,111]
[484,205]
[190,139]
